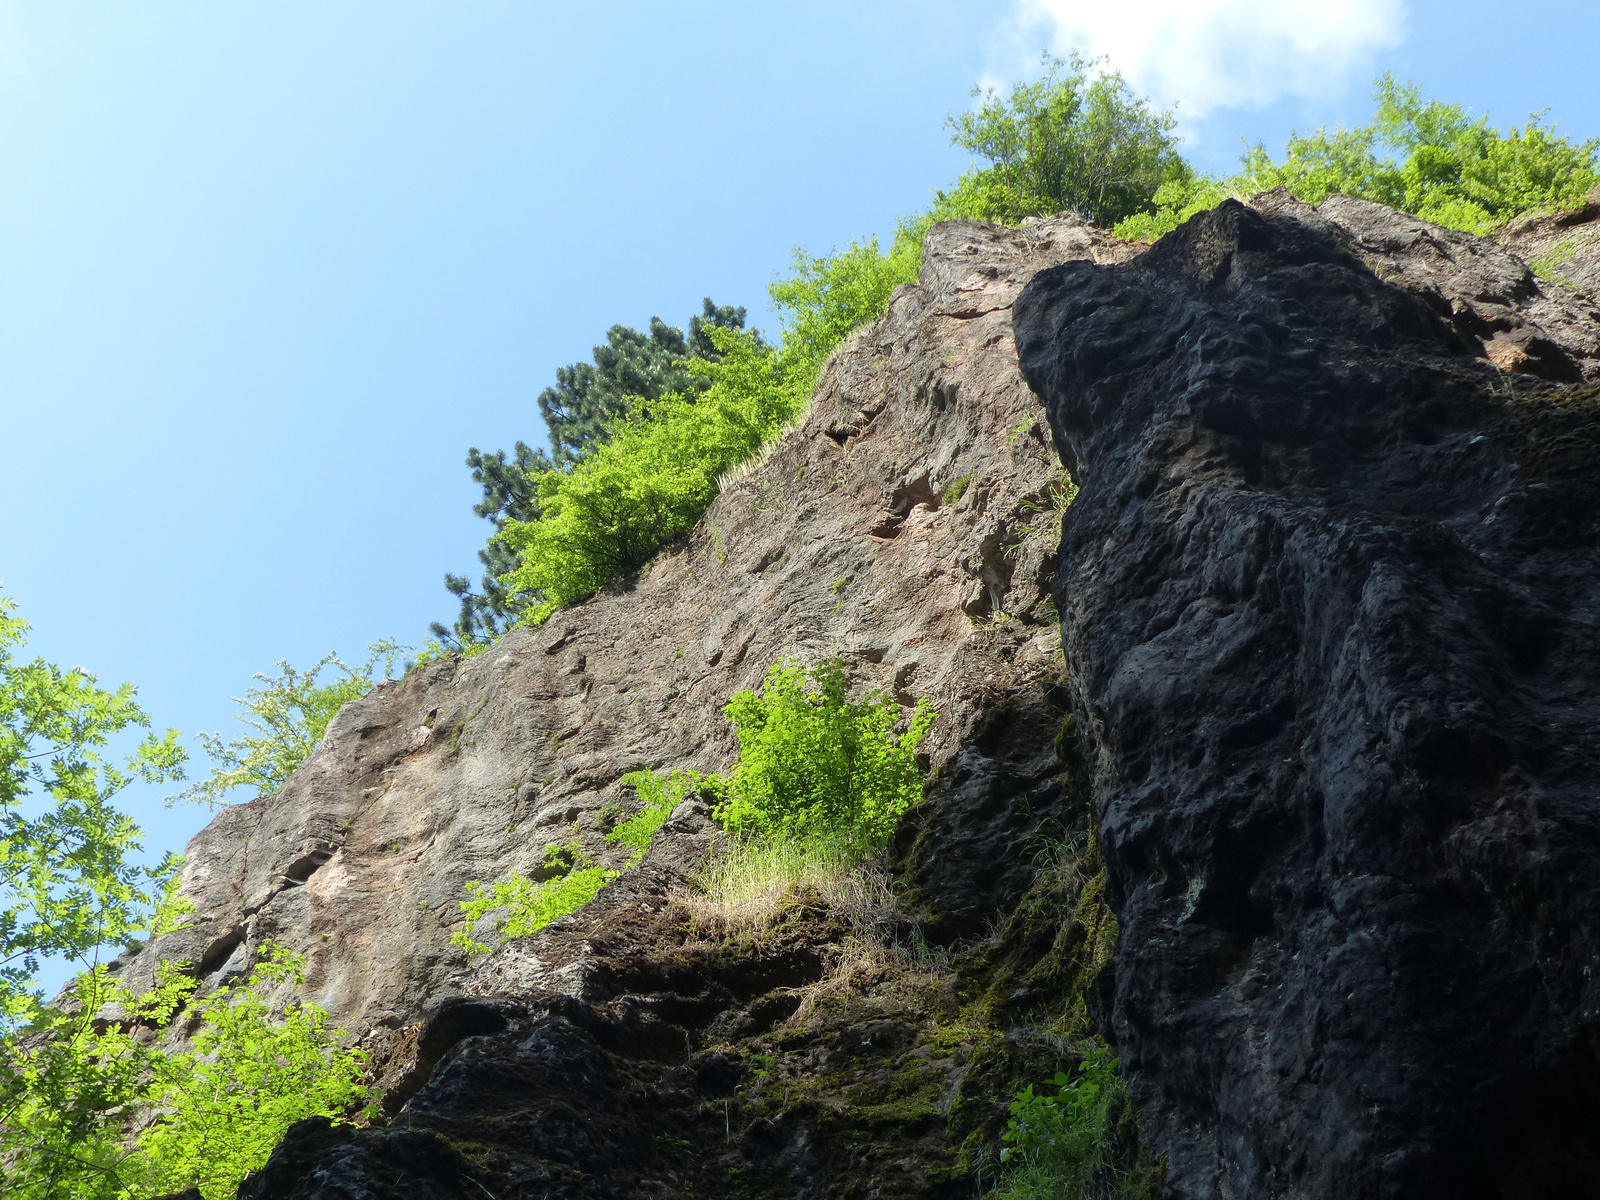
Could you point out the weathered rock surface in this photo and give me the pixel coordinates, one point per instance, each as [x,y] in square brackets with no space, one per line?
[909,524]
[1561,246]
[1330,598]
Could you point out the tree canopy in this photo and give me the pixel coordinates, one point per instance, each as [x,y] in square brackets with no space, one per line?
[1422,156]
[1076,140]
[587,399]
[92,1108]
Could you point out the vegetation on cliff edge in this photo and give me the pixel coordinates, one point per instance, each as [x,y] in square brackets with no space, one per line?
[635,463]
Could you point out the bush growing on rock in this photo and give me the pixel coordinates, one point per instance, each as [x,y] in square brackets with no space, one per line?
[1061,1142]
[1076,140]
[651,481]
[814,764]
[1418,155]
[528,906]
[224,1107]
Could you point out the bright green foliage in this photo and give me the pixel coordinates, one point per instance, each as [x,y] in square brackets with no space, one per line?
[1072,141]
[68,1087]
[1061,1144]
[659,794]
[529,906]
[630,366]
[1175,202]
[73,1078]
[215,1112]
[289,713]
[812,763]
[67,887]
[829,296]
[225,1107]
[652,480]
[578,412]
[1419,155]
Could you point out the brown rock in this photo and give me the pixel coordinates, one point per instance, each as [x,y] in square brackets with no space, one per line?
[907,524]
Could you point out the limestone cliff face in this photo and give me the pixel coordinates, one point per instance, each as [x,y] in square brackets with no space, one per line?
[1331,607]
[1323,684]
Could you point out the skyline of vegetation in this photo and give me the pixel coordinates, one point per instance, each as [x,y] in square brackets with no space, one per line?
[1078,139]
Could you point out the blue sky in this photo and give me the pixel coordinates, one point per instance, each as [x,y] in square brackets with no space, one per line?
[267,271]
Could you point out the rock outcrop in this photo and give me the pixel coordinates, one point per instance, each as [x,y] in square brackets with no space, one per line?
[909,525]
[1276,757]
[1330,600]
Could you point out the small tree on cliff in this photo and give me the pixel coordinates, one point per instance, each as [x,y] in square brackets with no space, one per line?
[1076,140]
[588,398]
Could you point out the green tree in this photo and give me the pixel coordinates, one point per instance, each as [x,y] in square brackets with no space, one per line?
[651,480]
[78,1075]
[67,885]
[289,712]
[69,889]
[510,493]
[224,1106]
[1076,140]
[588,397]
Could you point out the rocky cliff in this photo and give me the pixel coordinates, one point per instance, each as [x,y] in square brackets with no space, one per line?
[1331,606]
[1323,685]
[909,525]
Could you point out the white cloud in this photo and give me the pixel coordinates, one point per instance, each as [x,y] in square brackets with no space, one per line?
[1210,54]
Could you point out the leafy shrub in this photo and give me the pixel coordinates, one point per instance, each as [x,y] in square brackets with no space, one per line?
[578,413]
[1419,155]
[225,1106]
[646,475]
[212,1113]
[1175,202]
[1062,1144]
[528,906]
[659,794]
[289,712]
[1072,141]
[649,484]
[831,295]
[814,764]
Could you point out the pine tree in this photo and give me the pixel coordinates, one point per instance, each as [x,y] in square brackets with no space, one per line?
[587,397]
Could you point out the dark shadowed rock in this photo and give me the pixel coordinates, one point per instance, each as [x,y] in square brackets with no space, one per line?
[1330,599]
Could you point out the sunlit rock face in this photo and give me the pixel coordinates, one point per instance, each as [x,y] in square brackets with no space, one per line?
[909,525]
[1330,599]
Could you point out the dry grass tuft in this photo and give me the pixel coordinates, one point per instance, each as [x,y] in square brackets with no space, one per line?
[745,888]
